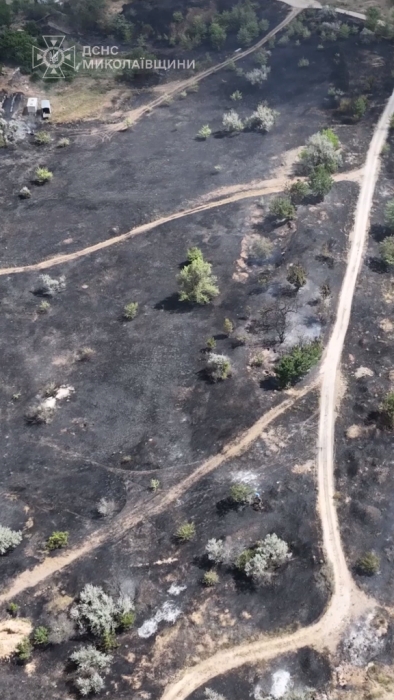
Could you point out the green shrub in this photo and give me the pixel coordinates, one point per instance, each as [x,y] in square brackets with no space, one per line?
[108,641]
[387,250]
[387,410]
[320,181]
[196,282]
[244,558]
[57,540]
[321,149]
[211,343]
[373,17]
[24,650]
[43,307]
[154,485]
[13,609]
[298,191]
[210,579]
[42,138]
[368,564]
[297,363]
[130,311]
[126,620]
[296,275]
[43,175]
[359,107]
[40,636]
[228,326]
[282,209]
[186,532]
[240,493]
[204,132]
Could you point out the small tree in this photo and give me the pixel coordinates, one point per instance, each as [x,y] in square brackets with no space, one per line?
[211,343]
[24,650]
[268,555]
[282,209]
[373,17]
[204,132]
[186,532]
[368,564]
[296,275]
[218,367]
[197,283]
[298,191]
[217,35]
[320,181]
[297,363]
[320,149]
[232,122]
[240,493]
[387,250]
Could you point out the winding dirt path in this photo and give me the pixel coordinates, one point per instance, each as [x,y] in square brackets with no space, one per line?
[347,599]
[132,516]
[244,191]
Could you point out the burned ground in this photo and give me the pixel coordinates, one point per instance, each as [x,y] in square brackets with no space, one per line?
[364,446]
[141,407]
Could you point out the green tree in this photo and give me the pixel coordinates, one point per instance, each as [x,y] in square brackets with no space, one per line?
[373,17]
[85,14]
[40,636]
[297,363]
[196,282]
[296,275]
[282,209]
[298,191]
[16,48]
[5,14]
[217,35]
[186,532]
[57,540]
[359,107]
[320,181]
[368,564]
[387,250]
[240,493]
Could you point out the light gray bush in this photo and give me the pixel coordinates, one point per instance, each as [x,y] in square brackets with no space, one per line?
[263,119]
[217,551]
[9,539]
[92,683]
[106,507]
[89,658]
[61,629]
[258,75]
[211,694]
[231,121]
[218,366]
[98,612]
[320,150]
[269,554]
[366,36]
[48,286]
[328,13]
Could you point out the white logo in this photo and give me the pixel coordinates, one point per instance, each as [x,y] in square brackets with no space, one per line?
[53,57]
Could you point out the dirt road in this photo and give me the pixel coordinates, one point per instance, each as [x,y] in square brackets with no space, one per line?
[346,598]
[238,193]
[130,517]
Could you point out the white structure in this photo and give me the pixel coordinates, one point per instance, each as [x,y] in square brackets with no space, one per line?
[45,109]
[32,105]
